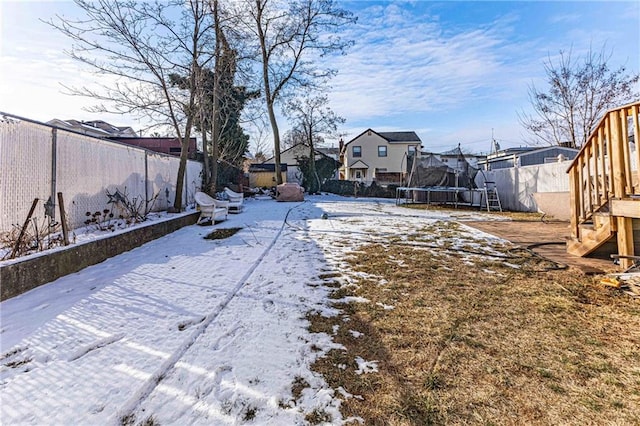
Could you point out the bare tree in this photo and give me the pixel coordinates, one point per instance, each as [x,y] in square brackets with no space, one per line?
[292,137]
[313,120]
[288,35]
[580,91]
[138,45]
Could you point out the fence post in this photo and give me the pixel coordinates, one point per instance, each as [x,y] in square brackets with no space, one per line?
[146,183]
[54,151]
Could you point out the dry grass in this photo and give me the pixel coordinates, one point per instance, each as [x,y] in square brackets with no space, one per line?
[517,216]
[482,344]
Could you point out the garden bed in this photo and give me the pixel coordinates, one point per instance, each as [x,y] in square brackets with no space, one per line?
[21,275]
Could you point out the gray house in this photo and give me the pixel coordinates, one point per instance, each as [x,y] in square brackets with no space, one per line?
[526,156]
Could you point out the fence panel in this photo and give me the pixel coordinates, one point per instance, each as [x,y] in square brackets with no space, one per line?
[25,170]
[193,182]
[162,174]
[37,161]
[516,185]
[88,167]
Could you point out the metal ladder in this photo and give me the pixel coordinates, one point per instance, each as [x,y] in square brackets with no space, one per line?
[490,197]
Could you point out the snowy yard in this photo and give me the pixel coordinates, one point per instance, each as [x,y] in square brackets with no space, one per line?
[185,330]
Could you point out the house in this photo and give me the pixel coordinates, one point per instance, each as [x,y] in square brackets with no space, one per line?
[291,155]
[459,161]
[378,156]
[96,128]
[263,175]
[526,156]
[171,146]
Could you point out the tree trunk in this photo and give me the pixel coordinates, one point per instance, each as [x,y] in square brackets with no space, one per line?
[205,150]
[215,124]
[314,183]
[213,182]
[177,203]
[276,142]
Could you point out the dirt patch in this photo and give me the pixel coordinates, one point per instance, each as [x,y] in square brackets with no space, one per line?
[453,337]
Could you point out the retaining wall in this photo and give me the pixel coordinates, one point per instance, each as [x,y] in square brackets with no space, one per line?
[21,275]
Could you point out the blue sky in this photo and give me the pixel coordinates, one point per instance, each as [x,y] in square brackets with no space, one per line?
[454,72]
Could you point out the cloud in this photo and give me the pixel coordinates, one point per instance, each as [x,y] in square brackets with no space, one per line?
[406,62]
[567,18]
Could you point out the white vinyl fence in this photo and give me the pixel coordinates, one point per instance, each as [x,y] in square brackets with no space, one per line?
[38,161]
[517,185]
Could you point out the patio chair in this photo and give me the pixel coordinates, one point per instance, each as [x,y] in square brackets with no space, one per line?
[210,208]
[235,200]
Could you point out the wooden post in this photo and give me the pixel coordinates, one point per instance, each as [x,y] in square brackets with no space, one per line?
[589,195]
[24,228]
[573,192]
[580,193]
[609,153]
[625,241]
[636,135]
[603,167]
[596,172]
[624,225]
[63,220]
[617,154]
[625,150]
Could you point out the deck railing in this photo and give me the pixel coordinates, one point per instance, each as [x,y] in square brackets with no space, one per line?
[602,169]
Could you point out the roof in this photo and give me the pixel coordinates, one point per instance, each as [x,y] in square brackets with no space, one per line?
[359,165]
[392,137]
[400,136]
[95,128]
[319,151]
[332,152]
[524,151]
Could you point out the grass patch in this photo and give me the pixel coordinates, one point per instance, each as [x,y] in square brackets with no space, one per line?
[222,233]
[467,345]
[317,417]
[299,384]
[130,420]
[249,414]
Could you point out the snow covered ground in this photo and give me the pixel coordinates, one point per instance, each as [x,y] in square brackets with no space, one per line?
[195,331]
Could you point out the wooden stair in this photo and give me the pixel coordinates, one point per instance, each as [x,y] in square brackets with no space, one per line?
[604,187]
[592,236]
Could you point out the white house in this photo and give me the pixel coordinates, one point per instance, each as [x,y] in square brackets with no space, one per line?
[378,156]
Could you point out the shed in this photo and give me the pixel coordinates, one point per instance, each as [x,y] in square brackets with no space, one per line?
[263,175]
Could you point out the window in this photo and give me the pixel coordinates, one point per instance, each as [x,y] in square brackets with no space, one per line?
[357,151]
[412,150]
[382,151]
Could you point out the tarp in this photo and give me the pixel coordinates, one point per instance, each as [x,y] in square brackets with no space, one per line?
[289,192]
